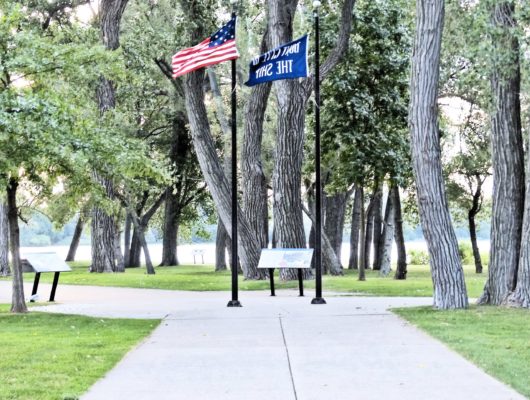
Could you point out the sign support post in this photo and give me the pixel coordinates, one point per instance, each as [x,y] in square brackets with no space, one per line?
[318,203]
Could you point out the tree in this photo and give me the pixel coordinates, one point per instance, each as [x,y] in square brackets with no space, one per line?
[104,228]
[447,273]
[292,97]
[507,156]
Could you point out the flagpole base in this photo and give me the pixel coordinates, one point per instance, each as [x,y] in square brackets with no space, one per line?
[318,300]
[234,303]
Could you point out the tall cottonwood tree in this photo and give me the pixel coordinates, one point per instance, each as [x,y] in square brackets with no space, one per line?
[446,268]
[104,226]
[292,97]
[507,155]
[248,243]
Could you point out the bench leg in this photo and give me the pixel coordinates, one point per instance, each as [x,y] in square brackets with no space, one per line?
[271,278]
[54,286]
[35,286]
[300,282]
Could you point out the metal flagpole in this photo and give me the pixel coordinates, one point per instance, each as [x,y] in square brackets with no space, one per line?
[318,212]
[234,302]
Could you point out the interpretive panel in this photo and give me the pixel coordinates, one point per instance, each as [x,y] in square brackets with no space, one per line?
[285,258]
[46,262]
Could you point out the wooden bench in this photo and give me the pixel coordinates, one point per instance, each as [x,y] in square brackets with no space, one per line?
[44,262]
[299,259]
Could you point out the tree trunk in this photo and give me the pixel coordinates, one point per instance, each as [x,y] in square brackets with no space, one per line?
[334,220]
[170,237]
[248,246]
[355,226]
[4,241]
[472,213]
[220,247]
[401,268]
[446,268]
[384,256]
[74,244]
[103,225]
[362,235]
[120,261]
[253,180]
[507,157]
[135,252]
[127,240]
[369,232]
[102,233]
[18,303]
[378,227]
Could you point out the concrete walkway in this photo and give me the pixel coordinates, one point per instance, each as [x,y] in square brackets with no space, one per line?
[274,348]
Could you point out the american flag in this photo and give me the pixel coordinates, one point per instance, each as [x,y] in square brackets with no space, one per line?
[219,47]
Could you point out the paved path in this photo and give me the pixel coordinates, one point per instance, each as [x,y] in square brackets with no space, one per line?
[274,348]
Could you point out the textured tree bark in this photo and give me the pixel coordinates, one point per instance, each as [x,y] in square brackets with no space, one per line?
[384,256]
[248,246]
[171,225]
[378,227]
[472,213]
[507,157]
[446,268]
[329,257]
[355,226]
[74,244]
[127,240]
[139,228]
[401,268]
[103,225]
[220,247]
[18,303]
[369,231]
[4,241]
[253,180]
[362,236]
[120,261]
[334,219]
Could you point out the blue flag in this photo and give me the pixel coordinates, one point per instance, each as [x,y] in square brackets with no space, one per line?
[285,62]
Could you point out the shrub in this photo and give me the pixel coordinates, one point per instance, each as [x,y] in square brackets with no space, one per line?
[417,257]
[466,253]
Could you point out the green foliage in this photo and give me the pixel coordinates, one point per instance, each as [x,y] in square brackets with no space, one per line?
[466,253]
[418,257]
[493,338]
[364,112]
[55,356]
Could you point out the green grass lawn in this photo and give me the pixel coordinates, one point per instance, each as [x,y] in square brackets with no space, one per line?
[58,357]
[496,339]
[204,278]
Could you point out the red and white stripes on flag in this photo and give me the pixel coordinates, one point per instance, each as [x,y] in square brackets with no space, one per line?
[219,47]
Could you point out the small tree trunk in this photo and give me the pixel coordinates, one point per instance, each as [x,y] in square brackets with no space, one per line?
[362,234]
[447,274]
[401,268]
[220,247]
[135,253]
[475,208]
[74,244]
[18,303]
[369,232]
[334,220]
[385,245]
[4,241]
[378,226]
[120,261]
[355,225]
[127,240]
[170,237]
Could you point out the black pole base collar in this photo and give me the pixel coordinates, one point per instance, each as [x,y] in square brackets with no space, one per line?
[234,303]
[318,300]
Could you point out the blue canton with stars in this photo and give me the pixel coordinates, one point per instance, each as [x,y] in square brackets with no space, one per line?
[226,33]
